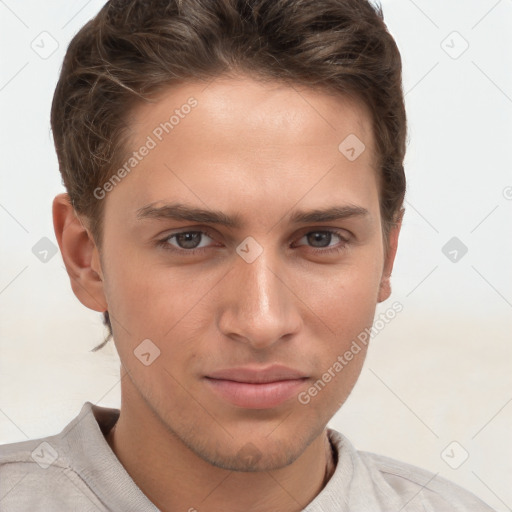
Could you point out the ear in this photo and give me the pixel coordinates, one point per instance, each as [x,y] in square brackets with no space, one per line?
[80,254]
[385,283]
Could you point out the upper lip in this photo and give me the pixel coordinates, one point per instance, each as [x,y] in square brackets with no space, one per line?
[256,375]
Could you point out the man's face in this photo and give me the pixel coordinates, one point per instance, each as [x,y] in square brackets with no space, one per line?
[267,291]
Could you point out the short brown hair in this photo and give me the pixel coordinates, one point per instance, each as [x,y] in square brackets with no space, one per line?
[133,49]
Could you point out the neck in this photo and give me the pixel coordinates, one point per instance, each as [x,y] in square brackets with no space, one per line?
[175,478]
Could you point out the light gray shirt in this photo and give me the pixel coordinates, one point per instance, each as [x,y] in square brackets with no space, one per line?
[76,470]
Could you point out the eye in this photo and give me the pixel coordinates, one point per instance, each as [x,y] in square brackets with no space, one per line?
[193,242]
[322,238]
[187,241]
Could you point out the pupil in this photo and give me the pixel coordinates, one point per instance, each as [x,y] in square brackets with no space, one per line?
[318,236]
[187,238]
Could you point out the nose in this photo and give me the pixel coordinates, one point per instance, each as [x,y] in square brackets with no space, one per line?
[258,306]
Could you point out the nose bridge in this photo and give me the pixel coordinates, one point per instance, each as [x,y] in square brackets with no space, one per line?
[258,306]
[259,283]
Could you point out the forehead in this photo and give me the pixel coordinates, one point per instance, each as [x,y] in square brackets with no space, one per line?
[252,139]
[263,109]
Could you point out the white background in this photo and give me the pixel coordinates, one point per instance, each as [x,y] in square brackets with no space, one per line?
[439,372]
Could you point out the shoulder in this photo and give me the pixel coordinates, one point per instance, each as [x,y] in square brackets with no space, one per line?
[37,475]
[31,456]
[368,481]
[415,484]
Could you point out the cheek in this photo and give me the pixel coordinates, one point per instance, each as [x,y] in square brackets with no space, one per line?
[346,308]
[133,287]
[149,299]
[332,386]
[347,300]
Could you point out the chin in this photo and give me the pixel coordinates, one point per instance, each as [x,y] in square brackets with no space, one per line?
[251,459]
[247,452]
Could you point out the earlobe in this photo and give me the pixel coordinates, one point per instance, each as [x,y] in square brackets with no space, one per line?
[80,255]
[385,288]
[385,284]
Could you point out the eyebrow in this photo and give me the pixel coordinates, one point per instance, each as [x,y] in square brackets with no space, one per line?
[179,211]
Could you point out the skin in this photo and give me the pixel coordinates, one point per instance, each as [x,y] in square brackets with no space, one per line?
[259,151]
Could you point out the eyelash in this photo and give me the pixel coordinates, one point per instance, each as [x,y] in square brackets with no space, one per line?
[164,242]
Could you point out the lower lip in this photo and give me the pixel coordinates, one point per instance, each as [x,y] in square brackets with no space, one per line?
[256,396]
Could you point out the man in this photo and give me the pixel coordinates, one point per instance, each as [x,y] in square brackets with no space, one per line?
[235,185]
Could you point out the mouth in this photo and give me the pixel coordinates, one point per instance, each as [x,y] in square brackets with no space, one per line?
[256,388]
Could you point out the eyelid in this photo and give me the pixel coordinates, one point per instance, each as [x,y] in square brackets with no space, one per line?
[212,233]
[203,231]
[341,232]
